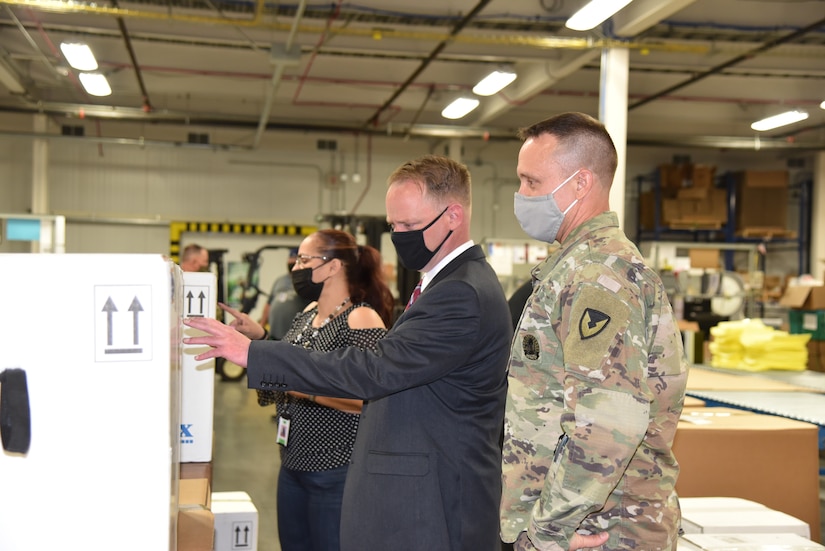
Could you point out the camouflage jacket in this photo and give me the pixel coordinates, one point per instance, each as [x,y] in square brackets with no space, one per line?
[597,381]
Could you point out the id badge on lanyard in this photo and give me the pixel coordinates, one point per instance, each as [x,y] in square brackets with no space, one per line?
[283,429]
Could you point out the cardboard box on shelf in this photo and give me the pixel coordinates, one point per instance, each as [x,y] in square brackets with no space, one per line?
[704,258]
[761,199]
[768,459]
[236,522]
[196,524]
[702,176]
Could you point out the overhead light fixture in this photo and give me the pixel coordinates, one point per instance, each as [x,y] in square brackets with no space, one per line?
[459,107]
[782,119]
[95,84]
[79,56]
[822,105]
[494,82]
[594,13]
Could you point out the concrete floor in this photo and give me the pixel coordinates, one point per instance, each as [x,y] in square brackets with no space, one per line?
[246,455]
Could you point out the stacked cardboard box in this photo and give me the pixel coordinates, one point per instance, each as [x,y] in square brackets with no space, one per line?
[689,199]
[761,202]
[196,523]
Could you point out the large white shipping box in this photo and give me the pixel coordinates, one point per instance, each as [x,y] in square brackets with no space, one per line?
[91,349]
[200,291]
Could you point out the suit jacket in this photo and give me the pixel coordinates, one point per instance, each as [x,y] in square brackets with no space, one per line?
[426,468]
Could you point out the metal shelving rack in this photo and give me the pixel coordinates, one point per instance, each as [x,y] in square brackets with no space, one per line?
[727,232]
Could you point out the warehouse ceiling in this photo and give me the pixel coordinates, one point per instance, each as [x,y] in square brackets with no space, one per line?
[701,71]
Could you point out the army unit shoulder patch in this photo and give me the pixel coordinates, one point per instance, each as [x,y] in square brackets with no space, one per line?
[530,347]
[592,323]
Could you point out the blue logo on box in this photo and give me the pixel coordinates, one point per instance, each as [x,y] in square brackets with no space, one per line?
[186,436]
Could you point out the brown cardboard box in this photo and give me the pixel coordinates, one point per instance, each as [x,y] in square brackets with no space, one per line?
[647,210]
[196,470]
[771,460]
[705,379]
[761,199]
[693,193]
[691,402]
[704,258]
[673,177]
[804,297]
[702,176]
[196,523]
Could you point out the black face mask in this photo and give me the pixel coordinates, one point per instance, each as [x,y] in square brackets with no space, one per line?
[304,286]
[412,250]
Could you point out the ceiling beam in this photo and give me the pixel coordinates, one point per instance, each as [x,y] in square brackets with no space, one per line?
[640,15]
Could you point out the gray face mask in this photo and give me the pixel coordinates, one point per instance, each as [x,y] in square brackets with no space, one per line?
[540,217]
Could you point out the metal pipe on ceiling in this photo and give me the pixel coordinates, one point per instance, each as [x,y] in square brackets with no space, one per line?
[537,41]
[735,61]
[277,74]
[373,120]
[147,104]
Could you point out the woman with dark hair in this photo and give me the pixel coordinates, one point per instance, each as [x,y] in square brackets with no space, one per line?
[352,306]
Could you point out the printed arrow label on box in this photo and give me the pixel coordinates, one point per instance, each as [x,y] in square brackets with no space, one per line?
[123,323]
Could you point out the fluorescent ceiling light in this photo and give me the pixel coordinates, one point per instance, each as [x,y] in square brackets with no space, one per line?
[494,82]
[459,108]
[95,84]
[788,117]
[79,56]
[594,13]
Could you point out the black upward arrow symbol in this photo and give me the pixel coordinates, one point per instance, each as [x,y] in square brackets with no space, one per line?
[190,296]
[135,307]
[109,307]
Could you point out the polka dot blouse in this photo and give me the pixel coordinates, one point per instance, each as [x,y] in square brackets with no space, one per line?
[320,438]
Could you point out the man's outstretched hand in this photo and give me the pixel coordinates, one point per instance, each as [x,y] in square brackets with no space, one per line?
[225,341]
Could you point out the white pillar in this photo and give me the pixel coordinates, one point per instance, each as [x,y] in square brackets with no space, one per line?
[40,174]
[40,168]
[615,68]
[818,218]
[454,149]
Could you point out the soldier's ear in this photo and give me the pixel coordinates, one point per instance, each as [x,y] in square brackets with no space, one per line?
[585,180]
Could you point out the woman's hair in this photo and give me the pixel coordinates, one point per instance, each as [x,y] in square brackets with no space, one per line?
[362,265]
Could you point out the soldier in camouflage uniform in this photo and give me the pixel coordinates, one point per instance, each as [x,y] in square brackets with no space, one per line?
[597,371]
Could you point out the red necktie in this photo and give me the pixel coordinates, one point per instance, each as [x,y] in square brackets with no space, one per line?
[415,294]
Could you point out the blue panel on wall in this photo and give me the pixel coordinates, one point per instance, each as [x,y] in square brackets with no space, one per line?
[22,229]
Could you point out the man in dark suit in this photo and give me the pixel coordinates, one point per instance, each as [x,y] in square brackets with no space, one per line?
[426,469]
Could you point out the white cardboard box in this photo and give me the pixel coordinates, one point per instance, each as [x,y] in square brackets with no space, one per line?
[698,504]
[236,523]
[98,337]
[731,515]
[747,542]
[197,377]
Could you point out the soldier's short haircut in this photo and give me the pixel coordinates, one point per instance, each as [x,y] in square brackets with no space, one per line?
[584,142]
